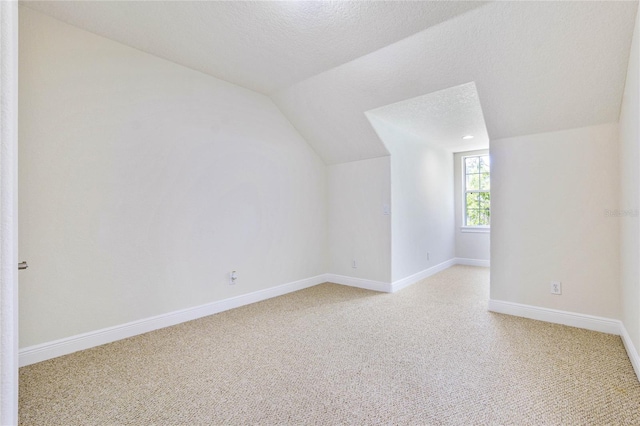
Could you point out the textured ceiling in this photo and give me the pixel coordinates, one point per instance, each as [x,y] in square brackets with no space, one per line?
[441,118]
[263,45]
[537,66]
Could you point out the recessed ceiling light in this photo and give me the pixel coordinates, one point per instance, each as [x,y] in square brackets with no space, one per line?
[467,137]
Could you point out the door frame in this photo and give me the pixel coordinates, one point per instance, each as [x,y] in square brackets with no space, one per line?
[9,212]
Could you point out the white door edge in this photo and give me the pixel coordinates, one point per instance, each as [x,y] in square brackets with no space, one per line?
[8,212]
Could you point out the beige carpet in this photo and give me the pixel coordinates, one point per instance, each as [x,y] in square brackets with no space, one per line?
[430,354]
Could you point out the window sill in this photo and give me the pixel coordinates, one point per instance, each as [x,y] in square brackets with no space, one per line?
[476,229]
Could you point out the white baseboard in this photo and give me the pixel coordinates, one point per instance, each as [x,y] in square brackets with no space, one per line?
[589,322]
[42,352]
[472,262]
[358,282]
[412,279]
[634,357]
[404,282]
[45,351]
[49,350]
[389,287]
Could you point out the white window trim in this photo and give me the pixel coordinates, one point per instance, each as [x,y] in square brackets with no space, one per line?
[476,229]
[463,194]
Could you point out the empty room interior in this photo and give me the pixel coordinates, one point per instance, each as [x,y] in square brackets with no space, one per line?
[340,212]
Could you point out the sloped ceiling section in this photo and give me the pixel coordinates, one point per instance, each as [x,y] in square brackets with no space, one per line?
[260,45]
[537,66]
[441,118]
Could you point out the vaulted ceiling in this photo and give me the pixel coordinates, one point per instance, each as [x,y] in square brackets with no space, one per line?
[537,66]
[444,117]
[261,45]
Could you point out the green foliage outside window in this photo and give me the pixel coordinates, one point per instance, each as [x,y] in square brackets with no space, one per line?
[477,191]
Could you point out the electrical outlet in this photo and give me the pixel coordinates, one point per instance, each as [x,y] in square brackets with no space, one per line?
[556,287]
[354,264]
[428,255]
[233,276]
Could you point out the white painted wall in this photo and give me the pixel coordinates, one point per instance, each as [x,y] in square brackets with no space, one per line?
[358,228]
[469,245]
[422,198]
[143,183]
[629,195]
[550,193]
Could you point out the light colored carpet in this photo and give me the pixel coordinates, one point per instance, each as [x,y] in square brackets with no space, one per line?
[430,354]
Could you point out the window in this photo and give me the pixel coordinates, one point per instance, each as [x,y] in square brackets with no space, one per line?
[477,196]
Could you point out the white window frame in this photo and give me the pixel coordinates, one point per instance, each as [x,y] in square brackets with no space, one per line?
[463,187]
